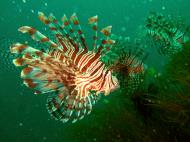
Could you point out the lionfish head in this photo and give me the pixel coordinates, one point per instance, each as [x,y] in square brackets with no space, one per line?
[111,84]
[115,84]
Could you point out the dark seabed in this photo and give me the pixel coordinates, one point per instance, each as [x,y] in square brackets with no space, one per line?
[119,117]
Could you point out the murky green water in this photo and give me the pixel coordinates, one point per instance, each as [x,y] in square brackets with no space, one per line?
[115,118]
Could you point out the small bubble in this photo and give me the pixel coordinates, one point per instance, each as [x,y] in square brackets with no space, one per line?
[13,2]
[20,124]
[20,10]
[2,19]
[163,7]
[106,101]
[45,4]
[44,138]
[32,10]
[127,39]
[114,14]
[24,1]
[154,130]
[123,29]
[127,18]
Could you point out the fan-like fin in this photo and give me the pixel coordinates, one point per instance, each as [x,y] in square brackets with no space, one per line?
[60,32]
[44,72]
[67,106]
[65,28]
[51,24]
[37,36]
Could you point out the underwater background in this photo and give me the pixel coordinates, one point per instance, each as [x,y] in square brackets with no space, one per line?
[158,110]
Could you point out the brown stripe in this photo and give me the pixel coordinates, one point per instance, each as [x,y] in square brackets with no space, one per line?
[44,40]
[63,45]
[39,53]
[55,21]
[32,31]
[66,23]
[95,28]
[53,28]
[27,55]
[92,60]
[30,83]
[104,78]
[27,70]
[96,70]
[95,37]
[76,22]
[19,48]
[19,61]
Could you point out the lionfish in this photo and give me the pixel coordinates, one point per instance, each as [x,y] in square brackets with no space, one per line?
[168,33]
[68,69]
[126,59]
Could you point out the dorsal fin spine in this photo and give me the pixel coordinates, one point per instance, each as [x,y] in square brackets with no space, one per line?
[69,30]
[93,21]
[36,35]
[106,41]
[80,34]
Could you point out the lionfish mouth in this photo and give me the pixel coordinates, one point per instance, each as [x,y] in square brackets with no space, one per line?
[67,70]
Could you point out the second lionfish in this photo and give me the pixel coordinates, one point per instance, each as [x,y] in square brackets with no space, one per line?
[168,33]
[67,68]
[126,58]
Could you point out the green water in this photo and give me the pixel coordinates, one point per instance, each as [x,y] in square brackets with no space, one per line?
[23,115]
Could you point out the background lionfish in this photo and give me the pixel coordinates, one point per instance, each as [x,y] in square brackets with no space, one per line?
[126,59]
[67,69]
[168,33]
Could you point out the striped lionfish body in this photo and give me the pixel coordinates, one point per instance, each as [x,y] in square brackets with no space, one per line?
[168,33]
[67,69]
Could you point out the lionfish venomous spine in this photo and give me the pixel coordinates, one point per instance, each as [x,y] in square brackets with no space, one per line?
[68,68]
